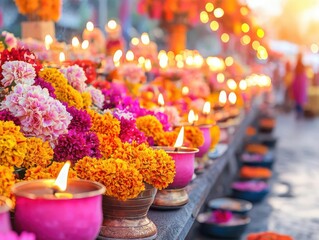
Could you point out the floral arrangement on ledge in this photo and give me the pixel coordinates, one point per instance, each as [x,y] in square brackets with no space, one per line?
[44,10]
[48,116]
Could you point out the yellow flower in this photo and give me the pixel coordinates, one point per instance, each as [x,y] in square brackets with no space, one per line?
[7,179]
[49,172]
[161,174]
[156,166]
[105,123]
[87,100]
[63,91]
[38,153]
[151,127]
[2,46]
[12,144]
[121,180]
[108,144]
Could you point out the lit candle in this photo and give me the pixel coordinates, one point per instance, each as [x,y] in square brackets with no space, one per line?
[180,139]
[117,57]
[206,110]
[185,91]
[148,68]
[191,117]
[163,60]
[145,39]
[232,98]
[95,37]
[75,42]
[161,102]
[222,97]
[61,57]
[75,212]
[85,44]
[231,84]
[129,56]
[48,40]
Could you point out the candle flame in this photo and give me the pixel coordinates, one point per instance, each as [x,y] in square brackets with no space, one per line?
[112,24]
[206,108]
[232,98]
[62,57]
[129,56]
[48,40]
[89,26]
[160,100]
[163,60]
[185,90]
[231,84]
[191,116]
[117,55]
[61,181]
[75,42]
[222,97]
[145,38]
[135,41]
[148,65]
[180,139]
[243,84]
[85,44]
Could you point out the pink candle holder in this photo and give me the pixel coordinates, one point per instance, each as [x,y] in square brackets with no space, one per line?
[5,206]
[175,195]
[205,129]
[75,214]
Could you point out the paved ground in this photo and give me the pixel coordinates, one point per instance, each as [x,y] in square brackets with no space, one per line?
[292,207]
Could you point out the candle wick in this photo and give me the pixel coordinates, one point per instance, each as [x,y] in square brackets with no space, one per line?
[176,149]
[55,190]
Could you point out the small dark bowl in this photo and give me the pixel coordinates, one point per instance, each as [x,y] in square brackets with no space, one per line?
[251,196]
[232,229]
[236,206]
[259,164]
[267,139]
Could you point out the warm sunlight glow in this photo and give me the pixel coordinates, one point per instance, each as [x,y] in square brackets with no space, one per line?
[62,179]
[180,138]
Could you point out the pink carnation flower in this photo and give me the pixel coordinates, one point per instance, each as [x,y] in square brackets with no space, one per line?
[40,115]
[97,96]
[76,77]
[18,72]
[172,115]
[9,39]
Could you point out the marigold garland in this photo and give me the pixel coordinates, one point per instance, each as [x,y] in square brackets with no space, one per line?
[39,153]
[13,145]
[7,180]
[121,180]
[87,100]
[255,172]
[268,236]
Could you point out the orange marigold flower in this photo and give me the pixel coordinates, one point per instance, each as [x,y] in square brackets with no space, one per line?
[166,138]
[150,125]
[215,135]
[7,180]
[49,172]
[108,144]
[105,123]
[121,180]
[255,172]
[38,153]
[63,91]
[13,145]
[87,100]
[161,174]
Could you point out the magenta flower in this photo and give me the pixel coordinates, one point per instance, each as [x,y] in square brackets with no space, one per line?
[220,216]
[17,72]
[81,120]
[43,84]
[76,77]
[97,96]
[14,236]
[76,145]
[40,115]
[5,115]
